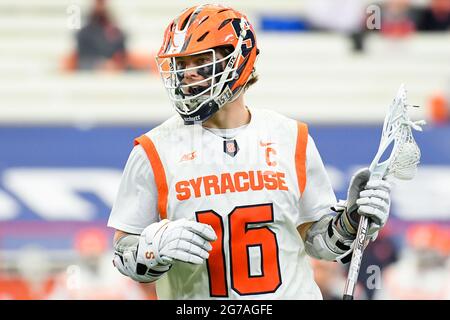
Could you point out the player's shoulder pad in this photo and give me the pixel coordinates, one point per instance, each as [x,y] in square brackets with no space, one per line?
[281,123]
[273,115]
[166,129]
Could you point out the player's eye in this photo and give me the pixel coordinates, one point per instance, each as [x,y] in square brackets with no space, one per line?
[181,65]
[206,72]
[202,61]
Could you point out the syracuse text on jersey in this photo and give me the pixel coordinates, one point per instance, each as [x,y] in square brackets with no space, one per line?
[240,181]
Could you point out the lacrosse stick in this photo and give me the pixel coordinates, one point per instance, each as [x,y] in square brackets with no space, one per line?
[402,164]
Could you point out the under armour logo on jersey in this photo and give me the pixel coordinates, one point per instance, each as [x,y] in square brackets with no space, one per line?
[230,147]
[188,156]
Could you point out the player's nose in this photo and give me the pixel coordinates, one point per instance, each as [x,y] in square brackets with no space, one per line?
[191,71]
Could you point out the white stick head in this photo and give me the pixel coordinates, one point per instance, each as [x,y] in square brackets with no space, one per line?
[404,164]
[397,130]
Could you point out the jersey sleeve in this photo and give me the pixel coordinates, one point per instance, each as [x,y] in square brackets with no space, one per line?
[318,195]
[135,206]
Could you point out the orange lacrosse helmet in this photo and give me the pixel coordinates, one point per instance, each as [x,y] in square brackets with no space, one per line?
[200,31]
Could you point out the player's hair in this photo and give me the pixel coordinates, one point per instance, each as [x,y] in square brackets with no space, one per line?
[253,79]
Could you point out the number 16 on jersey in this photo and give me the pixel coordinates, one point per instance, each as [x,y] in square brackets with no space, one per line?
[242,236]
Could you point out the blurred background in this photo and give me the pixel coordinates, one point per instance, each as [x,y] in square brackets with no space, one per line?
[78,83]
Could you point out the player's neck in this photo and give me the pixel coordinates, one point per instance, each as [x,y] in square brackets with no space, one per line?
[232,115]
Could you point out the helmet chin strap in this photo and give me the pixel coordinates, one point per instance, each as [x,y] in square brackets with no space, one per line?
[236,95]
[241,91]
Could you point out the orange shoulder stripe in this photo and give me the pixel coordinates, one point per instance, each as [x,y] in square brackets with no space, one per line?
[300,155]
[158,172]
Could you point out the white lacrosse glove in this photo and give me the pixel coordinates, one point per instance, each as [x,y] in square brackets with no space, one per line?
[369,198]
[126,263]
[165,242]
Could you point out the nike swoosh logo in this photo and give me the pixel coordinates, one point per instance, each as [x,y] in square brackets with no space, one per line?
[265,144]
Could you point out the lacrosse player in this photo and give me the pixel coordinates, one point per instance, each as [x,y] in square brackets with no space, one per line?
[225,200]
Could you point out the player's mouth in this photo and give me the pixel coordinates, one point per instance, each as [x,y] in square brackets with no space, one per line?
[192,90]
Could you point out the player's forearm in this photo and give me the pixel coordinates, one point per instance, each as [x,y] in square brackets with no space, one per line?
[330,237]
[119,234]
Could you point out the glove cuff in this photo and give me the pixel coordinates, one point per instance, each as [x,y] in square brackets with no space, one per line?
[350,221]
[347,221]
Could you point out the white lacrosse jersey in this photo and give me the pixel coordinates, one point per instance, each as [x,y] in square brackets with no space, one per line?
[254,189]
